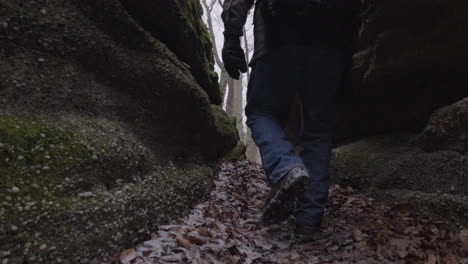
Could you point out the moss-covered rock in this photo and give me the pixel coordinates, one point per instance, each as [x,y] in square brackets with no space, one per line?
[410,62]
[92,57]
[178,24]
[72,193]
[237,153]
[384,164]
[447,129]
[105,132]
[228,136]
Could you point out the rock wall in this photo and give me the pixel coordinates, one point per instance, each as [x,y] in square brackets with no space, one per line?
[178,24]
[92,57]
[402,126]
[411,60]
[105,132]
[428,170]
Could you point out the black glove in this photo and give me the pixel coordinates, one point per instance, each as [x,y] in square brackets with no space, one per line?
[233,56]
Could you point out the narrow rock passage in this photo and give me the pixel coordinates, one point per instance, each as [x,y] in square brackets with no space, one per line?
[227,229]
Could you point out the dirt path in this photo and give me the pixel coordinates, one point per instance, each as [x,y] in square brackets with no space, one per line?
[227,229]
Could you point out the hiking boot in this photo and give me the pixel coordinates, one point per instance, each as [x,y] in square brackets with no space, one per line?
[282,199]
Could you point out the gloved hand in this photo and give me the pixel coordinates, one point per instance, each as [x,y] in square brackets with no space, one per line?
[233,56]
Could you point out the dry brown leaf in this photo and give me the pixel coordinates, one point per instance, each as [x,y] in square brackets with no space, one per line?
[128,255]
[195,240]
[184,242]
[203,231]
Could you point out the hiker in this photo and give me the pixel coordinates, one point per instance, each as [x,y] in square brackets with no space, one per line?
[302,48]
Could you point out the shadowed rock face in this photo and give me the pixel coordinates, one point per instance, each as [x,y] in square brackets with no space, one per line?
[428,170]
[392,167]
[447,129]
[408,76]
[411,60]
[178,24]
[78,189]
[104,131]
[92,57]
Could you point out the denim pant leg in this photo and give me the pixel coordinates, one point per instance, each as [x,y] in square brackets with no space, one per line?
[324,72]
[272,86]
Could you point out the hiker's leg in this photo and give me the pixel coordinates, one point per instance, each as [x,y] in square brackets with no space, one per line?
[323,74]
[270,92]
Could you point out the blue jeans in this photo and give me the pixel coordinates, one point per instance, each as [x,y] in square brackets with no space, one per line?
[314,73]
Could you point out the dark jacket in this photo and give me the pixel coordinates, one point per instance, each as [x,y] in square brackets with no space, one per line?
[234,17]
[235,13]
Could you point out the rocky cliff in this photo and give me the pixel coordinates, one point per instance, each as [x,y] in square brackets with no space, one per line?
[411,59]
[108,123]
[405,117]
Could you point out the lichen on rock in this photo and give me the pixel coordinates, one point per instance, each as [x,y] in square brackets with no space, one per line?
[75,195]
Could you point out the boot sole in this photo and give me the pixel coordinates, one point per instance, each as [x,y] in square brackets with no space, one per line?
[282,205]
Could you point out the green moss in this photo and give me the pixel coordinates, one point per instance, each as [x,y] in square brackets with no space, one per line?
[226,133]
[34,154]
[224,123]
[46,207]
[193,14]
[236,154]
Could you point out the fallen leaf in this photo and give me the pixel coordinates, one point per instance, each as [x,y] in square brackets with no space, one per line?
[195,240]
[203,231]
[128,255]
[184,242]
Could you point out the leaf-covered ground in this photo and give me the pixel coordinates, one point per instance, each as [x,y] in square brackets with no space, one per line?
[227,229]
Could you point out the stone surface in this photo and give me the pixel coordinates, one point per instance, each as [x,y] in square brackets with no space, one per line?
[83,208]
[97,60]
[447,129]
[178,24]
[391,164]
[411,60]
[105,132]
